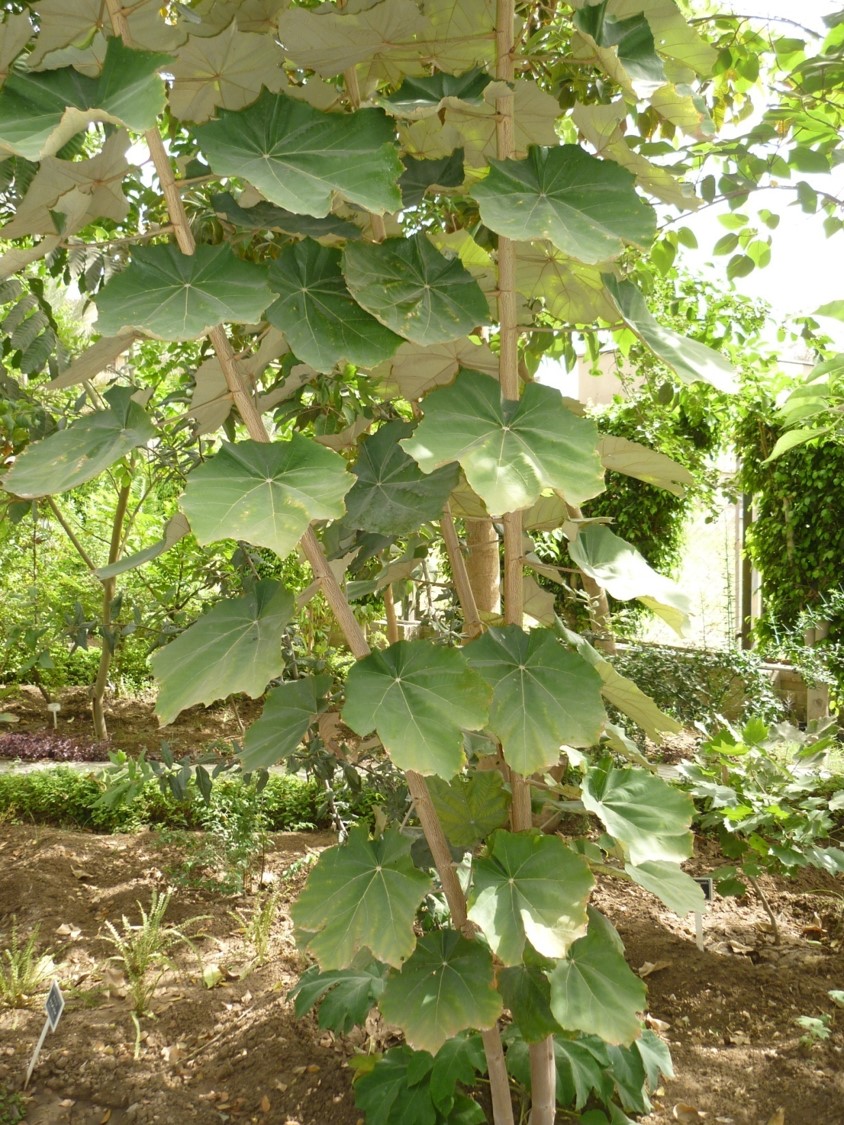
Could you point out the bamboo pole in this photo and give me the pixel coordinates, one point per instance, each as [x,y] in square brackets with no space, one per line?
[543,1077]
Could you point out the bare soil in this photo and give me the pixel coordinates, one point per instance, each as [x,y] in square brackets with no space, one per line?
[132,726]
[236,1053]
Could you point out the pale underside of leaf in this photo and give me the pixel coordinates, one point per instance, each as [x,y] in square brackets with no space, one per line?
[625,574]
[635,460]
[226,70]
[690,360]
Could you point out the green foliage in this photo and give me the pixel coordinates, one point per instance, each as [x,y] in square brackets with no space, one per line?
[143,950]
[403,1085]
[511,243]
[796,539]
[695,684]
[759,788]
[23,971]
[70,798]
[231,840]
[12,1107]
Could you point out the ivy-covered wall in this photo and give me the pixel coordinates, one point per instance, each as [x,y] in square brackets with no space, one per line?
[797,537]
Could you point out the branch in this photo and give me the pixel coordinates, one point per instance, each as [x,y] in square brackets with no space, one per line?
[462,585]
[71,534]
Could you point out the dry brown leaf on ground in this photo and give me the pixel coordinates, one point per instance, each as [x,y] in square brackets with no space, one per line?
[687,1114]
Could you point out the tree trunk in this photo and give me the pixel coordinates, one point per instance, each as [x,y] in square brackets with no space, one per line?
[483,565]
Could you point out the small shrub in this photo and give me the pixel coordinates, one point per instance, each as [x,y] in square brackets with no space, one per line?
[70,798]
[694,684]
[12,1109]
[758,789]
[257,925]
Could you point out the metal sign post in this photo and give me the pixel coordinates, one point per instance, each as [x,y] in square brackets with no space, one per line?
[53,1006]
[706,885]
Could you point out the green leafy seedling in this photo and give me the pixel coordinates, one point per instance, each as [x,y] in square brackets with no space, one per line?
[144,951]
[22,969]
[257,924]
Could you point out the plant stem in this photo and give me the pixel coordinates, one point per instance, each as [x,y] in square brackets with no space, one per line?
[390,614]
[543,1077]
[763,898]
[109,586]
[71,534]
[465,594]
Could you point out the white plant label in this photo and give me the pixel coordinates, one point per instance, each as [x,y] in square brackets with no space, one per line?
[53,1006]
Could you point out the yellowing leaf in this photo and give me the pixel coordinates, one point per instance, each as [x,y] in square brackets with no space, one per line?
[15,33]
[73,32]
[416,369]
[572,292]
[227,69]
[331,40]
[88,189]
[601,125]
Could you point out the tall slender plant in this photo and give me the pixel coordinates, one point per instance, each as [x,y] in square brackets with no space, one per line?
[419,193]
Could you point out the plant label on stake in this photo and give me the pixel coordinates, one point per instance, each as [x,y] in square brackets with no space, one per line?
[53,1006]
[706,885]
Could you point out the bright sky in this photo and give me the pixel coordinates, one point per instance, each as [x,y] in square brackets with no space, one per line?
[805,268]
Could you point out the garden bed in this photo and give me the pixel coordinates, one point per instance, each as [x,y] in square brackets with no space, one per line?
[234,1052]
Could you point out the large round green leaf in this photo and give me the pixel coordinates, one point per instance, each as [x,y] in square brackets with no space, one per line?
[446,986]
[265,492]
[530,887]
[469,808]
[509,451]
[594,991]
[175,296]
[586,207]
[419,697]
[392,496]
[407,284]
[41,111]
[288,712]
[81,452]
[298,157]
[648,817]
[362,894]
[322,323]
[527,996]
[543,696]
[235,646]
